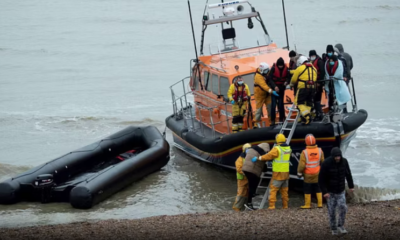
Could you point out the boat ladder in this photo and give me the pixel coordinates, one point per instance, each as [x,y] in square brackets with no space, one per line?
[285,127]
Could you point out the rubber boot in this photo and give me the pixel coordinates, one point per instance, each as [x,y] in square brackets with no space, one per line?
[285,204]
[285,197]
[307,200]
[271,205]
[319,198]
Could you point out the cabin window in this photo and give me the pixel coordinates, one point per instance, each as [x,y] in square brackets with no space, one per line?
[215,84]
[207,81]
[224,86]
[249,80]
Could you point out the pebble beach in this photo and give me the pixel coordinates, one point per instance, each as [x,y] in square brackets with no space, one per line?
[374,220]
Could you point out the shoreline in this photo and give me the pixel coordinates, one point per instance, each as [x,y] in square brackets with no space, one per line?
[373,220]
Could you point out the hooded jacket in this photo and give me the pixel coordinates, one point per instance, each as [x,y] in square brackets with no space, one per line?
[333,175]
[347,57]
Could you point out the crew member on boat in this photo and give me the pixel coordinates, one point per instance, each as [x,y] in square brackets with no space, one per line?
[278,79]
[320,66]
[239,95]
[309,165]
[242,182]
[262,92]
[304,77]
[280,157]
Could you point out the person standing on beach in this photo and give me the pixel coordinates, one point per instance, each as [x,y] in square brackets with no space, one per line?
[242,182]
[280,157]
[253,170]
[334,171]
[309,167]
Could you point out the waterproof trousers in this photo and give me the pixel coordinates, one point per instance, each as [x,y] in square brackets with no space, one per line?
[254,180]
[260,102]
[283,187]
[238,112]
[304,101]
[334,202]
[278,101]
[242,194]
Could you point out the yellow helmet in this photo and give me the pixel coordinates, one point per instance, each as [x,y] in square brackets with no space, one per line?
[280,138]
[246,146]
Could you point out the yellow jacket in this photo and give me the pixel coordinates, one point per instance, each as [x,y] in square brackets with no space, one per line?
[239,165]
[301,73]
[308,178]
[231,91]
[261,90]
[274,153]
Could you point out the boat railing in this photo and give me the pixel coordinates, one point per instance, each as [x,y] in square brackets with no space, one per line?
[183,108]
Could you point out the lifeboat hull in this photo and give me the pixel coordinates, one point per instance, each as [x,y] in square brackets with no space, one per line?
[223,150]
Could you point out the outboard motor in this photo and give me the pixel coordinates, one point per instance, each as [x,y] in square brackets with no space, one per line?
[44,183]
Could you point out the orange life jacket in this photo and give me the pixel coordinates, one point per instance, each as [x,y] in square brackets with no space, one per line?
[240,95]
[313,160]
[278,77]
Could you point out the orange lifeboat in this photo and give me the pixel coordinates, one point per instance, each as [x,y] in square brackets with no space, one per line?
[202,118]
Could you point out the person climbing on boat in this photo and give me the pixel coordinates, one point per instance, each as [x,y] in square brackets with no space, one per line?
[280,157]
[336,86]
[253,170]
[334,172]
[319,64]
[304,77]
[242,182]
[262,92]
[278,79]
[309,165]
[239,95]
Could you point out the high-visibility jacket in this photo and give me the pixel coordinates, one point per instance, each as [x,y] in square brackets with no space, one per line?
[282,162]
[313,160]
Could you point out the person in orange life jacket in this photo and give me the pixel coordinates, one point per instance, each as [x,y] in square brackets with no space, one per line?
[262,92]
[239,95]
[280,157]
[332,179]
[278,79]
[319,64]
[309,165]
[242,182]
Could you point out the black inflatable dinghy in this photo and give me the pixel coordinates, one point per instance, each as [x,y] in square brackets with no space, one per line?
[91,174]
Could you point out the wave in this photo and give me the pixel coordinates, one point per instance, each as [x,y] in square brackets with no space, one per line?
[7,170]
[357,21]
[387,7]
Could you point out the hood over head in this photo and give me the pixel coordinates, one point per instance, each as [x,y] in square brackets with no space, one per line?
[336,152]
[340,47]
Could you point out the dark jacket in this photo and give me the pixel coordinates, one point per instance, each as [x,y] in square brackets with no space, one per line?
[270,78]
[321,68]
[332,175]
[349,59]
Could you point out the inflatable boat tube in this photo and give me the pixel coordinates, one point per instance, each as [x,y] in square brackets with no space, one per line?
[91,174]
